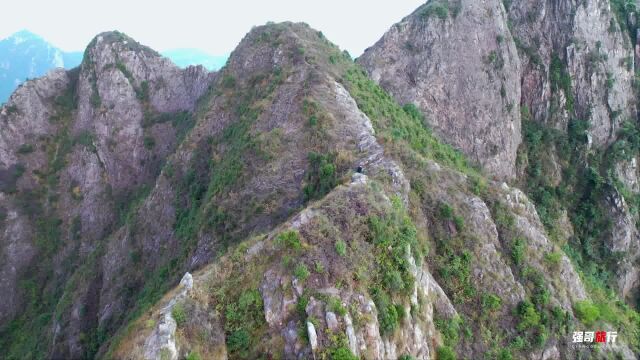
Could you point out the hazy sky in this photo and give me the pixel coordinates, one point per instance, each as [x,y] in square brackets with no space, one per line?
[213,26]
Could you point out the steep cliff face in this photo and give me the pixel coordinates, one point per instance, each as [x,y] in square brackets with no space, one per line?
[578,63]
[456,60]
[408,259]
[570,82]
[579,68]
[77,147]
[310,212]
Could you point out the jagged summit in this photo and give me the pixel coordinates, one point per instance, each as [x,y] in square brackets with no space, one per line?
[121,41]
[420,60]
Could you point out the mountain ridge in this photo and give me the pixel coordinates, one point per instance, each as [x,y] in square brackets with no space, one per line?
[309,211]
[25,47]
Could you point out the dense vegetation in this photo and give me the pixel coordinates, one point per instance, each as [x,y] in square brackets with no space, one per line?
[587,178]
[389,233]
[41,293]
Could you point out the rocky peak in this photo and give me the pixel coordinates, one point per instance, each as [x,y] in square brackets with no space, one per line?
[118,41]
[422,59]
[319,282]
[79,146]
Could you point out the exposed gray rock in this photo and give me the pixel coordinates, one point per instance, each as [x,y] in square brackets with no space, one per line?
[161,344]
[580,33]
[332,321]
[313,337]
[463,72]
[566,285]
[624,240]
[627,172]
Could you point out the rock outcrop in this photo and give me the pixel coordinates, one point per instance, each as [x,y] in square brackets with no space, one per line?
[77,146]
[456,60]
[565,69]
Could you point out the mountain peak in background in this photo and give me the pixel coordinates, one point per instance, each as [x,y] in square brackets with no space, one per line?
[24,35]
[26,55]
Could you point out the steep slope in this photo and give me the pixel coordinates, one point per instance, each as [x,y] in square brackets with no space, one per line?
[456,61]
[319,217]
[408,259]
[25,55]
[78,148]
[574,91]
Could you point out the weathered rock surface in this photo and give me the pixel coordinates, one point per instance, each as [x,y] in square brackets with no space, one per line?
[479,69]
[597,52]
[76,146]
[315,223]
[463,71]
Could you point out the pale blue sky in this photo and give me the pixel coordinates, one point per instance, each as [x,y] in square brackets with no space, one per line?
[213,26]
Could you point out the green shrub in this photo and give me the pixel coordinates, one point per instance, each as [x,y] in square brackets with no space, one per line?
[553,259]
[445,353]
[518,251]
[387,312]
[143,92]
[406,357]
[503,217]
[446,211]
[491,302]
[321,177]
[455,271]
[413,111]
[505,354]
[149,142]
[518,343]
[342,353]
[393,280]
[85,139]
[459,221]
[179,314]
[529,316]
[561,80]
[339,348]
[450,330]
[228,81]
[95,99]
[242,315]
[25,149]
[12,109]
[586,311]
[301,272]
[336,306]
[238,340]
[123,69]
[541,336]
[289,239]
[441,10]
[193,355]
[341,248]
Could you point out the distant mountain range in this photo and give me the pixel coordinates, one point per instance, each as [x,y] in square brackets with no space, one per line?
[25,55]
[186,57]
